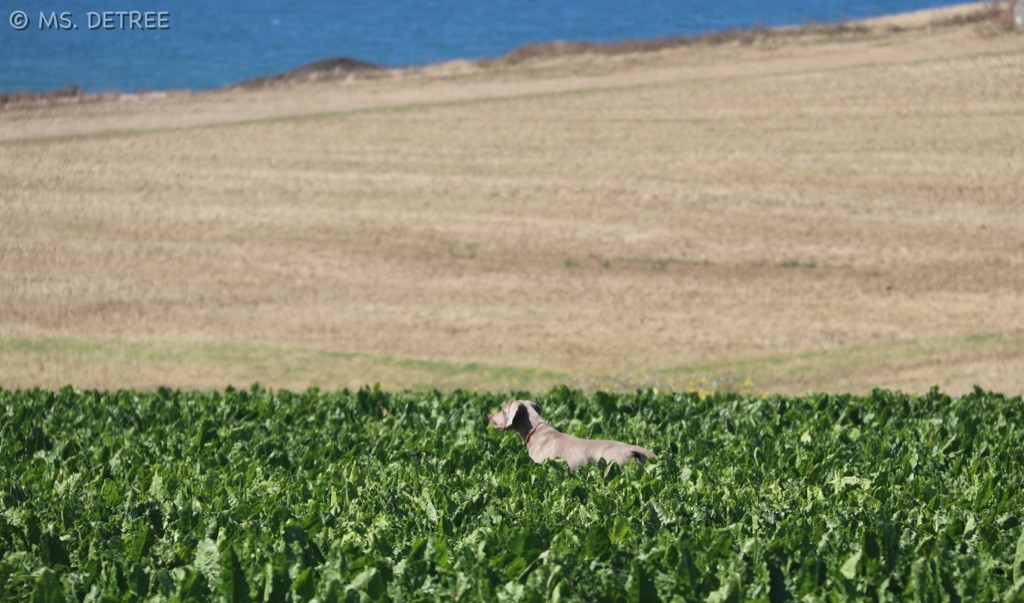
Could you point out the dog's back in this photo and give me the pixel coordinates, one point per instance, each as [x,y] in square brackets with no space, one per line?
[580,451]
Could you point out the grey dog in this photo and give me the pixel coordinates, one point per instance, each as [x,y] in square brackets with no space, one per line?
[544,441]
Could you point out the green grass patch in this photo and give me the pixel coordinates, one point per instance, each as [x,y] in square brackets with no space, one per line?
[838,360]
[273,364]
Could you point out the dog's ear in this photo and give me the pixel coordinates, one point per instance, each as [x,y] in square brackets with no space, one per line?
[512,412]
[536,408]
[504,418]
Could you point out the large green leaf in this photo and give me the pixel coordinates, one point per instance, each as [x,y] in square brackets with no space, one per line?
[48,588]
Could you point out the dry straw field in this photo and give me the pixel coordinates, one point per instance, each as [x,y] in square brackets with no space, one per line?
[838,209]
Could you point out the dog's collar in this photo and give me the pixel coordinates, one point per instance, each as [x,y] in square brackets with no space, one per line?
[530,433]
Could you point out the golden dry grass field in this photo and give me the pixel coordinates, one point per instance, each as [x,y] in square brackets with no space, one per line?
[825,211]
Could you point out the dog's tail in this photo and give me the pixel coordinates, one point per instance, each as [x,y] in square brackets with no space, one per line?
[641,454]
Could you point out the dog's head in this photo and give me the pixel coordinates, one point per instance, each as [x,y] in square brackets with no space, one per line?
[512,412]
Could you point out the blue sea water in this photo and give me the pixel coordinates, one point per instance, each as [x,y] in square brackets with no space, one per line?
[201,44]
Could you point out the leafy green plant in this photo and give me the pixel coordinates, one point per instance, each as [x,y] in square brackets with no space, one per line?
[368,495]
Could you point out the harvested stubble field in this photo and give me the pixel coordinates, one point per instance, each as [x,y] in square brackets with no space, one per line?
[834,210]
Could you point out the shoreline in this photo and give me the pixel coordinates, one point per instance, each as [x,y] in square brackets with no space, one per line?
[999,14]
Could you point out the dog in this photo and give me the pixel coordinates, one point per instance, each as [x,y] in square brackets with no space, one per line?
[544,441]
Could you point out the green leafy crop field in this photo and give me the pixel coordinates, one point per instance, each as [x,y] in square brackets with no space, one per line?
[261,495]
